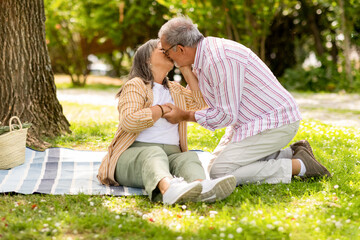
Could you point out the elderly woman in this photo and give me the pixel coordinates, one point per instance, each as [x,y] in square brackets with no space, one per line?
[148,151]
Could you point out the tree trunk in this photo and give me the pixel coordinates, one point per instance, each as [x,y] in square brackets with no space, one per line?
[310,14]
[262,48]
[346,43]
[27,87]
[252,27]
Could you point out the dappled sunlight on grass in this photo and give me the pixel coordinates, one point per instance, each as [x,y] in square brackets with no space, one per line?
[88,112]
[87,135]
[203,139]
[93,82]
[316,211]
[92,126]
[336,147]
[311,209]
[98,86]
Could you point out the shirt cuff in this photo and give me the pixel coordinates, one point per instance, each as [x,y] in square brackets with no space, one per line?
[200,117]
[146,118]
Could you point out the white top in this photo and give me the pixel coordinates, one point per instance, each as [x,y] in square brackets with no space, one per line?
[162,131]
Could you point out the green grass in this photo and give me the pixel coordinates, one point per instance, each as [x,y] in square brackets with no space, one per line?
[321,209]
[333,110]
[93,86]
[93,127]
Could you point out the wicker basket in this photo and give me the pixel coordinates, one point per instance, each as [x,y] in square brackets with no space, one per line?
[12,146]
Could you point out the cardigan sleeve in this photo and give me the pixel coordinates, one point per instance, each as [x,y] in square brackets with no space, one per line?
[194,99]
[134,116]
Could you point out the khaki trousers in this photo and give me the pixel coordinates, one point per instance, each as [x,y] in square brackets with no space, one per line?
[143,165]
[258,158]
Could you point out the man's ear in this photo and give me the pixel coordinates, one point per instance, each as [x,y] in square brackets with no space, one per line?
[181,48]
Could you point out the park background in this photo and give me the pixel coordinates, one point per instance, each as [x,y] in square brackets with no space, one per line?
[309,45]
[62,62]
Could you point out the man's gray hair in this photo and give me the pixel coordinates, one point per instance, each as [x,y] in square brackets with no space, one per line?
[180,30]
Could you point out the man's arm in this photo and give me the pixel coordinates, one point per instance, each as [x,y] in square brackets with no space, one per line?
[224,86]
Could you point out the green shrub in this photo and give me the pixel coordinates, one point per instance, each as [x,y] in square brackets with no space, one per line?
[315,79]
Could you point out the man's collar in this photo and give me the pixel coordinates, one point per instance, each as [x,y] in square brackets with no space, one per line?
[198,59]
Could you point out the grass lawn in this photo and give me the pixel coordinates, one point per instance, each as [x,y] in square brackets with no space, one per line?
[321,209]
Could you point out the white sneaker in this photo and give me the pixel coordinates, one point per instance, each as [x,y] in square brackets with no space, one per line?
[217,189]
[181,191]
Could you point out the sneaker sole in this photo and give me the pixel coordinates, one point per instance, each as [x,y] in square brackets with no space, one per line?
[189,195]
[221,190]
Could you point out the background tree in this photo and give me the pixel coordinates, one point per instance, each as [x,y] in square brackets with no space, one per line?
[245,21]
[284,33]
[27,83]
[347,47]
[317,30]
[110,29]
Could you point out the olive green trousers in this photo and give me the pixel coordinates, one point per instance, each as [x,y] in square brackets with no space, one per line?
[143,165]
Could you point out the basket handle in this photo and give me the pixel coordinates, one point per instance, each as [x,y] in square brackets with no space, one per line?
[10,121]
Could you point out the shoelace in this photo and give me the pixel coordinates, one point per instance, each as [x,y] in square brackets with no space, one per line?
[177,179]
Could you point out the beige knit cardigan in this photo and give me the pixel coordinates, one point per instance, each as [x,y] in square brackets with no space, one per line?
[135,116]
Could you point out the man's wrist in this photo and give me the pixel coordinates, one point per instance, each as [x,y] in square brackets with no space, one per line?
[190,116]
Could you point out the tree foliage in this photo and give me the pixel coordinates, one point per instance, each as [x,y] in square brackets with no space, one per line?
[76,29]
[282,32]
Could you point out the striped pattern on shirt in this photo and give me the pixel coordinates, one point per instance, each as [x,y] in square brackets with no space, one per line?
[135,116]
[240,89]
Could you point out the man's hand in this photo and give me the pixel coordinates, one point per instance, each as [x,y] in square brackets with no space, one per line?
[178,115]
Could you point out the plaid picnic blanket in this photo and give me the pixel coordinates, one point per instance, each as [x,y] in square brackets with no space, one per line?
[65,171]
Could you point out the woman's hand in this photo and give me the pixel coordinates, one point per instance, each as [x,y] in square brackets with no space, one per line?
[185,69]
[159,111]
[166,109]
[190,77]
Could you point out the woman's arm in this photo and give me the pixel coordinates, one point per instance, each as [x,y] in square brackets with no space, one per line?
[190,78]
[158,111]
[193,96]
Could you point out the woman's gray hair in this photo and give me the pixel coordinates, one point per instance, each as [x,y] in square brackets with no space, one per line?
[180,30]
[141,66]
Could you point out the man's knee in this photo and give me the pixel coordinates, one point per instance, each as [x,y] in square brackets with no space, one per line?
[217,170]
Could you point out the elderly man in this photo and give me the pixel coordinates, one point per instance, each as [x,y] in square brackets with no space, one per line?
[243,95]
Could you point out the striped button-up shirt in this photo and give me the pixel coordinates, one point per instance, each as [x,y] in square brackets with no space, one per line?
[240,90]
[135,116]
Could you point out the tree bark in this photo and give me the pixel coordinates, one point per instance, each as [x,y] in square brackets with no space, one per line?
[309,14]
[27,82]
[253,26]
[347,46]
